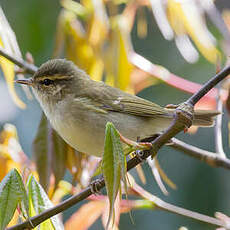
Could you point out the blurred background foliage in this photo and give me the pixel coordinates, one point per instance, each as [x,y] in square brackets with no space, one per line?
[36,23]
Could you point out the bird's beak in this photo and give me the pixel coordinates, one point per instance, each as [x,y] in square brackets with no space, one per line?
[25,81]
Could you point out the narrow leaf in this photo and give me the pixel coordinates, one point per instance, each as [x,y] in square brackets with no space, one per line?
[116,56]
[113,165]
[118,149]
[40,202]
[12,191]
[76,7]
[85,216]
[187,19]
[8,70]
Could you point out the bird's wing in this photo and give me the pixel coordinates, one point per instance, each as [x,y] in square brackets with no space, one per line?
[110,99]
[135,106]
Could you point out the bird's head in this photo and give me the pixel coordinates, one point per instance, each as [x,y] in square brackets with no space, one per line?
[55,79]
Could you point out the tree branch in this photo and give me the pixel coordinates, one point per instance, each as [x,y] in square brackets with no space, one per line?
[209,85]
[181,121]
[211,158]
[218,128]
[29,68]
[162,205]
[157,203]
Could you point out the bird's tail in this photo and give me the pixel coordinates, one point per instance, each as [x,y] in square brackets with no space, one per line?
[205,118]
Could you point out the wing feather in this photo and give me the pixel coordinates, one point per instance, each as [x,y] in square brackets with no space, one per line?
[107,98]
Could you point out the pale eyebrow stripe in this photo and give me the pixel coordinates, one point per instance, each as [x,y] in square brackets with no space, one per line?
[54,77]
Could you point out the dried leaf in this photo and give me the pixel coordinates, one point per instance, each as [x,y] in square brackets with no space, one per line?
[117,65]
[9,42]
[186,17]
[85,216]
[113,225]
[77,47]
[141,23]
[159,174]
[11,154]
[50,153]
[124,66]
[141,174]
[161,19]
[59,155]
[64,188]
[141,80]
[97,69]
[99,24]
[74,163]
[161,73]
[41,152]
[8,70]
[75,7]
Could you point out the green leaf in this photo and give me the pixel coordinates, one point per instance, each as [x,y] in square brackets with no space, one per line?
[12,191]
[113,164]
[24,201]
[39,202]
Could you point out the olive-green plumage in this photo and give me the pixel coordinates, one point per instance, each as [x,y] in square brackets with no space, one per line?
[78,107]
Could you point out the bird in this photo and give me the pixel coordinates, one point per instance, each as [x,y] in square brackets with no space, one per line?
[78,108]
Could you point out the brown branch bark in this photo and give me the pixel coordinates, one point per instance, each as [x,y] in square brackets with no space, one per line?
[29,68]
[211,158]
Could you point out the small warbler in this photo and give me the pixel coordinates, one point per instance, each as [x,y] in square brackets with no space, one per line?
[78,108]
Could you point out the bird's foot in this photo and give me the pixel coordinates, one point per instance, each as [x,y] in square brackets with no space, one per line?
[94,186]
[136,145]
[171,106]
[140,155]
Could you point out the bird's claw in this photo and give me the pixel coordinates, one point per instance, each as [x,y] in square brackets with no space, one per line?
[185,113]
[171,106]
[139,154]
[136,145]
[94,186]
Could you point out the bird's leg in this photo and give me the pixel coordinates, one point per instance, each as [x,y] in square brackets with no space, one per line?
[135,144]
[139,154]
[136,148]
[153,137]
[171,106]
[150,138]
[94,186]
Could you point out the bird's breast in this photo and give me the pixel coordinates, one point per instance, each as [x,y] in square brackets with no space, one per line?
[85,130]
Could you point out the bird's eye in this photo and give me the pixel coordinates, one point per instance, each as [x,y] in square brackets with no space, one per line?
[47,82]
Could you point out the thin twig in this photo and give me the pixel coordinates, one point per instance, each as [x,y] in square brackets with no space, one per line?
[158,203]
[218,128]
[209,85]
[29,68]
[162,205]
[211,158]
